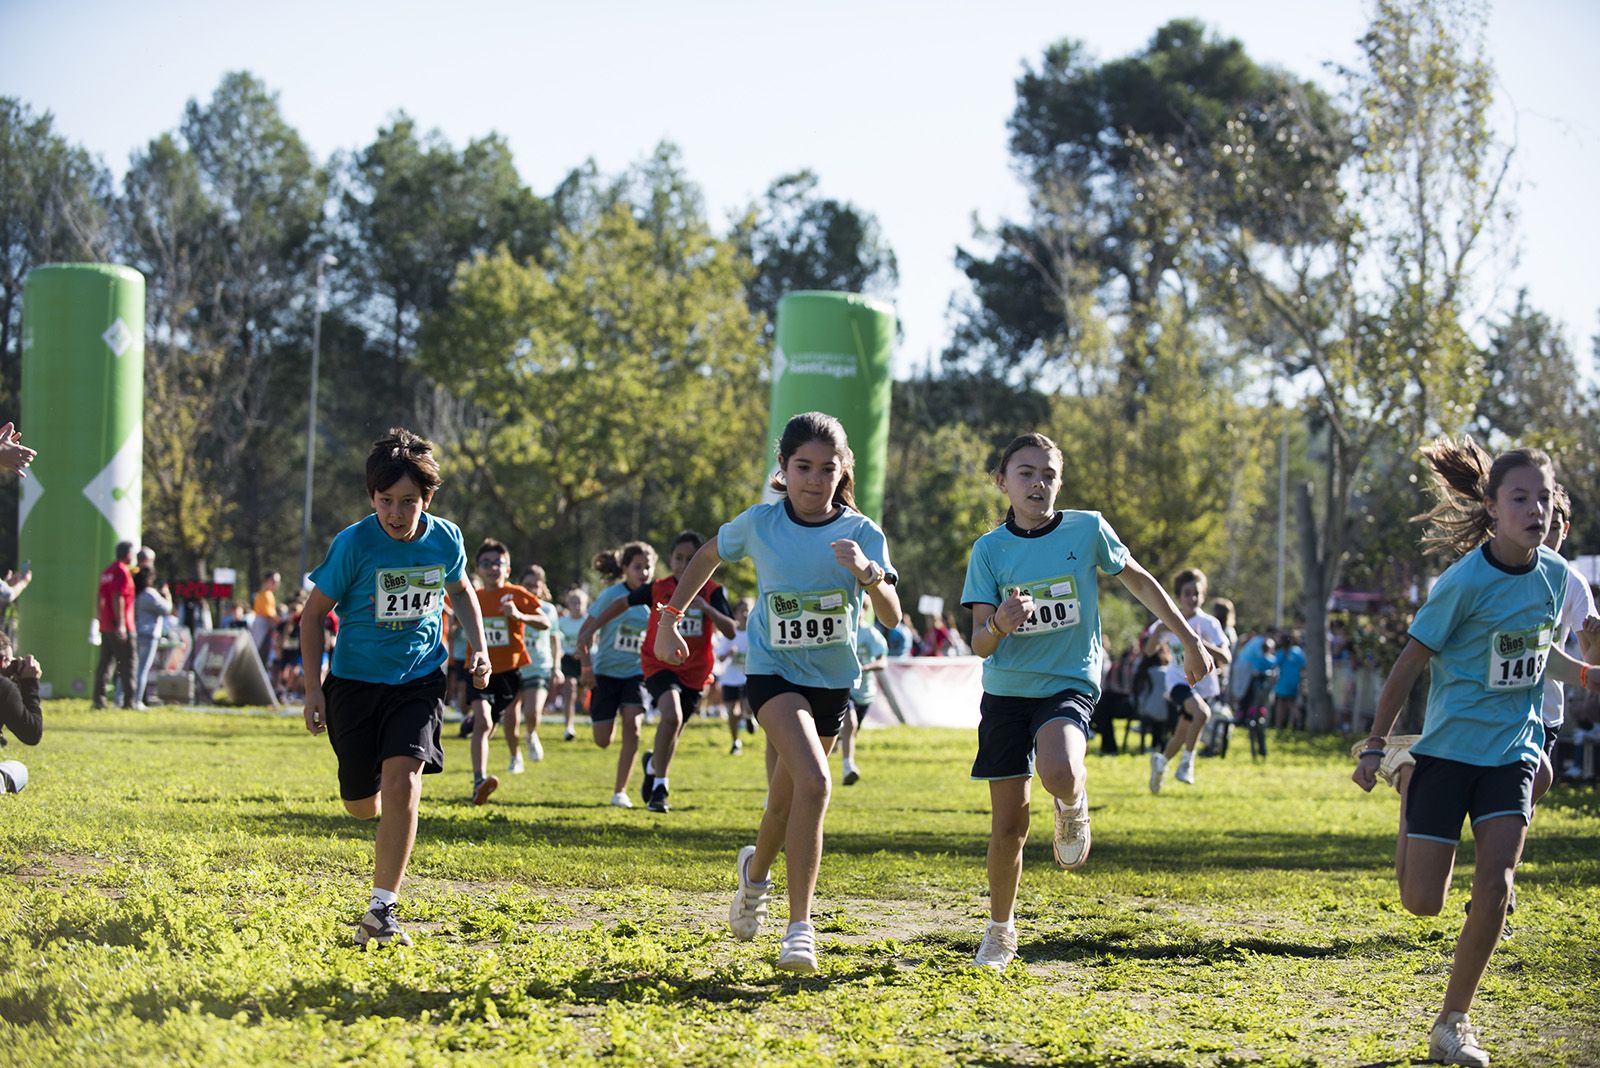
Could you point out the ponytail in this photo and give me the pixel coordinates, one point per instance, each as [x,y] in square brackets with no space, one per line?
[1463,478]
[611,563]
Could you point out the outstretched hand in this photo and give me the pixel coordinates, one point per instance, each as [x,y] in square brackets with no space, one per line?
[14,456]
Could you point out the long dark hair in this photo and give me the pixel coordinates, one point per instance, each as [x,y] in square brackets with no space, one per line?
[613,562]
[1464,478]
[818,426]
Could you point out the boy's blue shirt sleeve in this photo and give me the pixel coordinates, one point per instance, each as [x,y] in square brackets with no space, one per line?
[458,570]
[1111,554]
[333,576]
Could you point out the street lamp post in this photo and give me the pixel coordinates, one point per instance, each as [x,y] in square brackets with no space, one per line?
[324,260]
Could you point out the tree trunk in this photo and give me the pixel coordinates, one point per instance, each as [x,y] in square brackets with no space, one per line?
[1318,702]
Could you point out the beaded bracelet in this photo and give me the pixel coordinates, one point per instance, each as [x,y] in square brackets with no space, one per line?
[1370,752]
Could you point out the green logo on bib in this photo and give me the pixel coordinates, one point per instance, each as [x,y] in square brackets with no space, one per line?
[785,606]
[1510,644]
[393,581]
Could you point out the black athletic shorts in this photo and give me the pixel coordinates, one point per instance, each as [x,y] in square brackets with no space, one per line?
[1443,792]
[369,722]
[731,694]
[1007,727]
[539,681]
[502,690]
[827,705]
[662,681]
[860,712]
[611,693]
[1551,736]
[1177,697]
[570,667]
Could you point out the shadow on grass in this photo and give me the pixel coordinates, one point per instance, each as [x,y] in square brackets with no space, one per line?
[1224,848]
[1130,943]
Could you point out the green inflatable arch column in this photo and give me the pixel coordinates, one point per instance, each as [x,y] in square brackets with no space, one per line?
[833,355]
[83,410]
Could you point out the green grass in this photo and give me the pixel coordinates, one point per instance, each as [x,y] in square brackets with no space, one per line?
[180,887]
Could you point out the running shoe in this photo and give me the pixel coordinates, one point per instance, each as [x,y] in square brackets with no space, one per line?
[621,800]
[482,788]
[379,927]
[798,951]
[1454,1040]
[1158,770]
[535,749]
[750,724]
[647,788]
[515,767]
[738,747]
[1071,844]
[749,909]
[852,774]
[998,948]
[570,735]
[658,798]
[1185,773]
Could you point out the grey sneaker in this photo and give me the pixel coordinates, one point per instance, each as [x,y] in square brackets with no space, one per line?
[1071,844]
[1158,771]
[1453,1040]
[749,908]
[379,928]
[998,948]
[798,951]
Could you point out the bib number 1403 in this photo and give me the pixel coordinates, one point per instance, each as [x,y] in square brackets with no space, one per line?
[1517,658]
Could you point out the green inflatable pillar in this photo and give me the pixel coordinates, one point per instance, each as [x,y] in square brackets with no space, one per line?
[83,410]
[832,355]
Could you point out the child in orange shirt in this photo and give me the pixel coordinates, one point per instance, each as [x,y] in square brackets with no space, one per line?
[507,610]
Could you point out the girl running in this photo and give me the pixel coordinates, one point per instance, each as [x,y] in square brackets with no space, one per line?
[674,687]
[1031,584]
[1485,633]
[612,670]
[576,607]
[540,676]
[814,556]
[732,652]
[383,703]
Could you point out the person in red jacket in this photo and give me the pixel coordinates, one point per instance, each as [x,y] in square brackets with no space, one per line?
[675,690]
[116,628]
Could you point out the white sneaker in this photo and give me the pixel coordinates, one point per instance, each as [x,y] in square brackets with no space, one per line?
[515,767]
[998,948]
[1186,769]
[749,908]
[1158,770]
[852,774]
[1071,844]
[535,750]
[621,800]
[798,951]
[1455,1041]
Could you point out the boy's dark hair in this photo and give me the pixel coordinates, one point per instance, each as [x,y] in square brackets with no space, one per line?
[688,537]
[492,546]
[1188,575]
[124,549]
[402,454]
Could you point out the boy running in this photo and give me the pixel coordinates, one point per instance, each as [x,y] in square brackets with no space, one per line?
[507,610]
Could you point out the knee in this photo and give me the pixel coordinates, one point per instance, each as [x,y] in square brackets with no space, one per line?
[1010,828]
[1061,780]
[1491,889]
[813,785]
[365,808]
[1424,901]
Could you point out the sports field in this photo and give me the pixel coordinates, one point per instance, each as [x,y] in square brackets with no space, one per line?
[181,887]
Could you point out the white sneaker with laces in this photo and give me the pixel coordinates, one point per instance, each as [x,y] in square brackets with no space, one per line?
[998,948]
[798,951]
[1158,771]
[515,767]
[535,749]
[621,800]
[1071,844]
[1454,1040]
[1186,768]
[749,908]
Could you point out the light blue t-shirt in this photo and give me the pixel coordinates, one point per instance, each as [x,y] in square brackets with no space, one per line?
[1491,629]
[540,662]
[808,605]
[569,627]
[1291,664]
[390,596]
[870,645]
[617,644]
[1059,645]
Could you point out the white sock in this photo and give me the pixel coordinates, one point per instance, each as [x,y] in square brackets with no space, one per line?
[381,897]
[755,882]
[650,765]
[848,764]
[799,925]
[1005,925]
[1073,806]
[662,782]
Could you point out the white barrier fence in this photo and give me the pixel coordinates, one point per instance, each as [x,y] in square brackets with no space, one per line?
[929,691]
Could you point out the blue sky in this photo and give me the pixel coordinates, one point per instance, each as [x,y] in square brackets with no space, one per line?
[898,106]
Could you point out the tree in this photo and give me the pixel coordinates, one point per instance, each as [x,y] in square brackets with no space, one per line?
[799,240]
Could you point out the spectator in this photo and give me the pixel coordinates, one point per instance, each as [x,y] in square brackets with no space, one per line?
[265,605]
[900,638]
[151,606]
[14,455]
[19,712]
[1291,662]
[13,584]
[935,637]
[116,627]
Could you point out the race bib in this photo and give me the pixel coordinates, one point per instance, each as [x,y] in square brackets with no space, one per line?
[497,631]
[808,620]
[693,623]
[406,594]
[1517,658]
[1055,605]
[629,639]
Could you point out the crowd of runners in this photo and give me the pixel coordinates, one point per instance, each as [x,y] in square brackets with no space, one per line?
[798,659]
